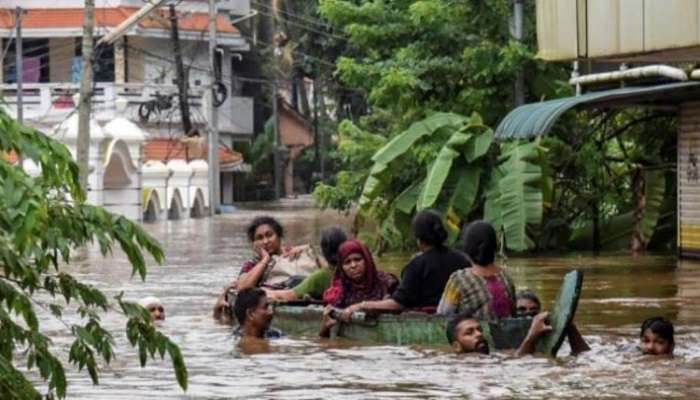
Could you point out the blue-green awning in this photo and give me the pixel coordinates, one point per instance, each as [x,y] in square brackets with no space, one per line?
[537,119]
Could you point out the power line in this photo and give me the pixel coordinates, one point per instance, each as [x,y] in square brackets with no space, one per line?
[310,21]
[303,26]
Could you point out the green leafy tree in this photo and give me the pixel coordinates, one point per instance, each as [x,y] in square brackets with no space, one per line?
[43,219]
[415,59]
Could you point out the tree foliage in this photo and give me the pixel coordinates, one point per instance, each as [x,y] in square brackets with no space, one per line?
[419,60]
[43,219]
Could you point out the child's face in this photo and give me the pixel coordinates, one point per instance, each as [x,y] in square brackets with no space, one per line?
[653,344]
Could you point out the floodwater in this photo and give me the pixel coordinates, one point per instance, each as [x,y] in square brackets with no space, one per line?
[203,255]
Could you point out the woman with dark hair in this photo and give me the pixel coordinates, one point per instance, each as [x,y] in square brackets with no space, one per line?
[485,290]
[656,337]
[423,278]
[357,279]
[272,265]
[315,284]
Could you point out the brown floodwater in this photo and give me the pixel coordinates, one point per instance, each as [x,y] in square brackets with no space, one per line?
[203,255]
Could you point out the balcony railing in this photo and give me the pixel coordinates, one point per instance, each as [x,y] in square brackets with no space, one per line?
[48,103]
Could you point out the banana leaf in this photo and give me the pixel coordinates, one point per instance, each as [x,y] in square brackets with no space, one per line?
[407,200]
[440,169]
[478,145]
[518,198]
[466,189]
[655,189]
[376,180]
[472,146]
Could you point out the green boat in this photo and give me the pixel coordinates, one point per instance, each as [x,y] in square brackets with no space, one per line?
[429,329]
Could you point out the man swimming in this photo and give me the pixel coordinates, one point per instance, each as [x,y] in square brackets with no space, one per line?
[253,310]
[465,335]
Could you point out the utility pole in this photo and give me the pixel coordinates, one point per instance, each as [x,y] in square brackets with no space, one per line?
[182,83]
[213,141]
[317,133]
[19,67]
[519,86]
[276,154]
[83,145]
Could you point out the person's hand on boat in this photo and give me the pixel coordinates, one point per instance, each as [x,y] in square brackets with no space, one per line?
[347,313]
[540,325]
[328,322]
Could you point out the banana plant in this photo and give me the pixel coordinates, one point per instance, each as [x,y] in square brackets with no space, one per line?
[454,178]
[514,199]
[380,174]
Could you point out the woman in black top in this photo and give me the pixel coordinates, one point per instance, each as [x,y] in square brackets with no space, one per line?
[424,277]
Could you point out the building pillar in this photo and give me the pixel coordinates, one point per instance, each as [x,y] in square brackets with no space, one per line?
[120,61]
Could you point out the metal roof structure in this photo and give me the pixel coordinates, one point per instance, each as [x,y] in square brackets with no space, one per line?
[536,119]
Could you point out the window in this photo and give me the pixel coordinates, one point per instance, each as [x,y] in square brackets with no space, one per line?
[103,68]
[35,61]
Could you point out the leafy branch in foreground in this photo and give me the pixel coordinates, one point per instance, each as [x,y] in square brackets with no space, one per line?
[43,219]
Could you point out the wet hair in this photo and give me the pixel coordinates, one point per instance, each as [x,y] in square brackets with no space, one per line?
[428,228]
[453,323]
[529,295]
[264,220]
[660,326]
[480,242]
[247,299]
[331,239]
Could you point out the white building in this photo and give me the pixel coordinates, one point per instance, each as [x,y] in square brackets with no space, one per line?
[132,78]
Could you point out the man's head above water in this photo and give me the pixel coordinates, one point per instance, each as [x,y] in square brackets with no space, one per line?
[465,336]
[154,306]
[527,303]
[656,337]
[253,311]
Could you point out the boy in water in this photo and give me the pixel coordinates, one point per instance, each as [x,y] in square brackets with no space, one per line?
[656,337]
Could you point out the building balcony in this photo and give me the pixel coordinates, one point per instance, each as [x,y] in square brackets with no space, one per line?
[154,106]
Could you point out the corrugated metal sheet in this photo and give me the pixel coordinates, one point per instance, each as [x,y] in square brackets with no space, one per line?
[557,34]
[537,119]
[670,24]
[689,179]
[613,33]
[570,29]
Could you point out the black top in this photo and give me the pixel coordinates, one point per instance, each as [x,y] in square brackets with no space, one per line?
[425,276]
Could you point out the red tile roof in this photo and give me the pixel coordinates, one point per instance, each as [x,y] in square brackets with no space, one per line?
[47,18]
[173,149]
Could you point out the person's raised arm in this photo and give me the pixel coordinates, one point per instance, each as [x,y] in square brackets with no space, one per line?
[576,341]
[251,278]
[538,328]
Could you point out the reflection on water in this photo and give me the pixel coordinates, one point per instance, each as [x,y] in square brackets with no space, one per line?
[203,255]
